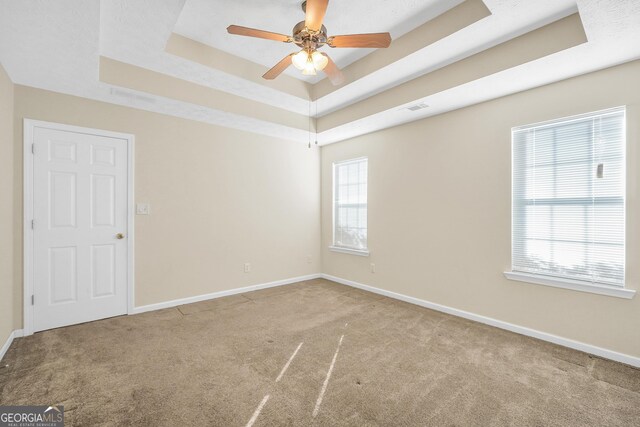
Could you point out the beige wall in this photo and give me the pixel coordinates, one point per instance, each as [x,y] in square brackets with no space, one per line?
[440,207]
[219,198]
[439,196]
[6,206]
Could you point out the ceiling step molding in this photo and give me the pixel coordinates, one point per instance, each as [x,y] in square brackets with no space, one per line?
[560,35]
[143,80]
[449,22]
[211,57]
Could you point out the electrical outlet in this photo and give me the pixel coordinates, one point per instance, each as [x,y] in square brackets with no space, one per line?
[247,267]
[373,268]
[309,259]
[143,209]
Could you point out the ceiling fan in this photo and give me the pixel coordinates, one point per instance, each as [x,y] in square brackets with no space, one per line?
[310,35]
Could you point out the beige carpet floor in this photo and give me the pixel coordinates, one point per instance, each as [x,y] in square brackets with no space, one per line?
[213,363]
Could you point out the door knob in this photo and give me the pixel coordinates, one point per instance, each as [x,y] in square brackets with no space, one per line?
[119,236]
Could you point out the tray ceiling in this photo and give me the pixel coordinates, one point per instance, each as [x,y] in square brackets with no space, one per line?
[175,57]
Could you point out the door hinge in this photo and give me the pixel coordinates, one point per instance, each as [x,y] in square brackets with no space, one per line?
[33,148]
[33,299]
[33,224]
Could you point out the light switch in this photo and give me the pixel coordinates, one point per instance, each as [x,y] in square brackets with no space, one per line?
[143,209]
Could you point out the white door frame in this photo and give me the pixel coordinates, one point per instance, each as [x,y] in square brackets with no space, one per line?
[29,128]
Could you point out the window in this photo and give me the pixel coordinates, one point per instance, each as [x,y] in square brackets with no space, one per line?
[350,206]
[568,199]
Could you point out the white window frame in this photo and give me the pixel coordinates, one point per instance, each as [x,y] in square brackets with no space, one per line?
[565,283]
[338,248]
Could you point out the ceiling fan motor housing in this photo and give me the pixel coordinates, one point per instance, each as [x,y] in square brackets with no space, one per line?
[308,39]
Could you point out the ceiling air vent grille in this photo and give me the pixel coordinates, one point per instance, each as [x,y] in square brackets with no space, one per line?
[416,107]
[132,95]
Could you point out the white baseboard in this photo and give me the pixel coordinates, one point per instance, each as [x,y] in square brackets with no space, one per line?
[220,294]
[13,335]
[576,345]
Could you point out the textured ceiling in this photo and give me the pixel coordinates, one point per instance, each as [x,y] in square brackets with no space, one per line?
[447,54]
[206,21]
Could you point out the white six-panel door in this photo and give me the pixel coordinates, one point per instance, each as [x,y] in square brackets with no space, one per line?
[80,212]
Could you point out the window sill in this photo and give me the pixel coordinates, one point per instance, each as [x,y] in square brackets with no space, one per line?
[358,252]
[575,285]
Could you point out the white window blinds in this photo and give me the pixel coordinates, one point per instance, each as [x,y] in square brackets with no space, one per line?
[350,204]
[569,198]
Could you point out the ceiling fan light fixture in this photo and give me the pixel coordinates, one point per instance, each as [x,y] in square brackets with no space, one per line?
[319,60]
[309,68]
[300,59]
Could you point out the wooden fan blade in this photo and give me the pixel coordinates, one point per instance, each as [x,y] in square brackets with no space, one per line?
[316,10]
[333,72]
[378,40]
[252,32]
[278,68]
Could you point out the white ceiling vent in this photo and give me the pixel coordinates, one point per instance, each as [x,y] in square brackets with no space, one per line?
[132,95]
[416,107]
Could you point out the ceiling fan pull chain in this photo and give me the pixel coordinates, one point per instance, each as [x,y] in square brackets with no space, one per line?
[316,117]
[309,122]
